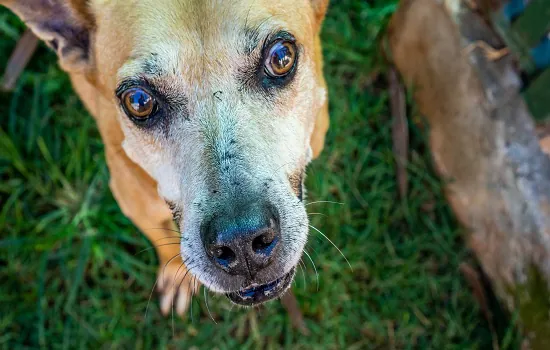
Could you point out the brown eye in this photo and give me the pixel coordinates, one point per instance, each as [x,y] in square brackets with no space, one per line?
[138,103]
[281,58]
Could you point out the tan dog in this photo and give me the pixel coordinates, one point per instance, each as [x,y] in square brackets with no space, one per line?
[210,111]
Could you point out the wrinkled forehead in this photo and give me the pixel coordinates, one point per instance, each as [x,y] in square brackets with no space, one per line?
[161,36]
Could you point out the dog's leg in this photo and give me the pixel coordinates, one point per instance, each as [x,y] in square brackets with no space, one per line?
[322,120]
[137,196]
[317,142]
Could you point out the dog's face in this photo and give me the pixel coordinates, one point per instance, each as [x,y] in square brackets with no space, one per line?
[217,101]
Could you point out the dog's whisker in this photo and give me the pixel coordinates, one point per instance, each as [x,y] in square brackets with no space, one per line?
[163,228]
[150,296]
[314,267]
[301,264]
[155,246]
[188,268]
[192,291]
[206,303]
[168,262]
[181,282]
[198,301]
[190,296]
[169,237]
[317,214]
[175,294]
[172,309]
[334,245]
[184,261]
[331,202]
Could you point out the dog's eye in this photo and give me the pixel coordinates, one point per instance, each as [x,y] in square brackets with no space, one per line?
[281,58]
[138,103]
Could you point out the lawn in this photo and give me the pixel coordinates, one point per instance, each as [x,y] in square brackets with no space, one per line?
[73,272]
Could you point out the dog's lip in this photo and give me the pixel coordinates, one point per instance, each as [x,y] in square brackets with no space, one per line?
[258,294]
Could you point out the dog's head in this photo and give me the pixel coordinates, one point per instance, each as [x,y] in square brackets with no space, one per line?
[218,101]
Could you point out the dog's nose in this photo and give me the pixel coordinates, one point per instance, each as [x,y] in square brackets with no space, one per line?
[242,244]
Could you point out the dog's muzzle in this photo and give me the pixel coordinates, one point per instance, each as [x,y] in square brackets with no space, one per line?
[245,242]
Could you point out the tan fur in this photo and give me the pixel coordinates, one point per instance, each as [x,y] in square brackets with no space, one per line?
[322,120]
[121,33]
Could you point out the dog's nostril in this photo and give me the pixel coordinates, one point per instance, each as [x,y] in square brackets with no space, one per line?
[223,254]
[244,242]
[262,242]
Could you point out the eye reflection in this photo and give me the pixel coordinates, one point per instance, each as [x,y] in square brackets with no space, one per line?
[281,58]
[138,103]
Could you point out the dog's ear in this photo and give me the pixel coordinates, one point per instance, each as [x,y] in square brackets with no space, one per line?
[319,10]
[64,25]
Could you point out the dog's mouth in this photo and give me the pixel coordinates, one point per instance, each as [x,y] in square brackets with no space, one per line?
[257,294]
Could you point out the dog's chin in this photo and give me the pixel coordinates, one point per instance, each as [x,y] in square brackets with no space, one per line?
[258,294]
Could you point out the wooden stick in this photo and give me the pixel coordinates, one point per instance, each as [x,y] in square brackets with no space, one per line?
[296,318]
[18,61]
[400,130]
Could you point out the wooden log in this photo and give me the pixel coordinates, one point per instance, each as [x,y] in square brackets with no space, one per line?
[485,146]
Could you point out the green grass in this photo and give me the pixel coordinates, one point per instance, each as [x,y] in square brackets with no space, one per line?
[70,276]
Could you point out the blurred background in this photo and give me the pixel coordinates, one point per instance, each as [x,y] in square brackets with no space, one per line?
[73,272]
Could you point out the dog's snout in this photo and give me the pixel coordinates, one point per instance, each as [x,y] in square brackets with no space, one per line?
[243,243]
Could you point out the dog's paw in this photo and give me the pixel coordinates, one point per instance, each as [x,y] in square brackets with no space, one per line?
[176,288]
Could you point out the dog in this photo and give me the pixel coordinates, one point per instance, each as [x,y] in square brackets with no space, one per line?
[210,111]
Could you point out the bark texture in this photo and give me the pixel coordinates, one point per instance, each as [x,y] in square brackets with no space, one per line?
[485,147]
